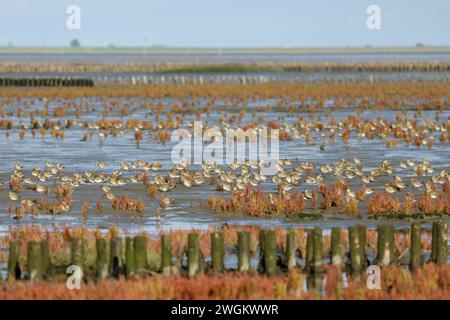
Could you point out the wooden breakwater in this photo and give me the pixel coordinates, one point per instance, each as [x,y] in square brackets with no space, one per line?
[46,82]
[198,79]
[111,261]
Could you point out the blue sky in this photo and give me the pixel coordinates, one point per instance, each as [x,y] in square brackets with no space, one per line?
[225,23]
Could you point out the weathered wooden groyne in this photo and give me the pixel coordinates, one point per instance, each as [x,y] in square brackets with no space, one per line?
[46,82]
[129,256]
[199,79]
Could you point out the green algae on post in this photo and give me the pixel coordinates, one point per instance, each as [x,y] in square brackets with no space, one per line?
[415,252]
[140,255]
[77,252]
[34,261]
[14,271]
[336,250]
[291,250]
[217,252]
[115,256]
[262,243]
[362,233]
[193,254]
[355,249]
[309,255]
[439,249]
[130,265]
[385,245]
[166,255]
[46,263]
[243,251]
[317,249]
[102,262]
[270,246]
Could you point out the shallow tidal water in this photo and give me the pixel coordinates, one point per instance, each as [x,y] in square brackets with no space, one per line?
[188,208]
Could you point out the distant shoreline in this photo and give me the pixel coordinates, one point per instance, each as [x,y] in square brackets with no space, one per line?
[181,67]
[222,51]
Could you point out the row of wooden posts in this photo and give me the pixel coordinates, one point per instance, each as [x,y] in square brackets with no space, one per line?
[194,79]
[46,82]
[109,262]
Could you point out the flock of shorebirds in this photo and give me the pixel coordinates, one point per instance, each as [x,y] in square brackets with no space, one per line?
[306,120]
[420,133]
[234,177]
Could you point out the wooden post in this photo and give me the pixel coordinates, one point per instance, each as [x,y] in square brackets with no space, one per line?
[130,266]
[140,255]
[442,255]
[440,243]
[416,234]
[385,244]
[434,237]
[314,282]
[13,261]
[270,246]
[77,253]
[243,251]
[309,251]
[102,258]
[217,252]
[115,256]
[45,258]
[336,249]
[291,249]
[193,254]
[34,261]
[362,232]
[166,255]
[391,239]
[383,257]
[355,249]
[317,249]
[262,242]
